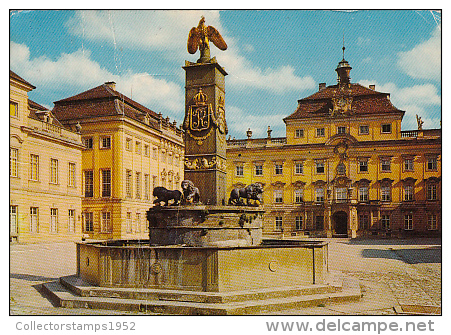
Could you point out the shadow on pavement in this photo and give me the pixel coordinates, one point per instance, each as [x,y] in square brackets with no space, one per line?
[409,256]
[30,277]
[392,241]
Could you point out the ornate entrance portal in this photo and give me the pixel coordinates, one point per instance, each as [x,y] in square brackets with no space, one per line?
[341,223]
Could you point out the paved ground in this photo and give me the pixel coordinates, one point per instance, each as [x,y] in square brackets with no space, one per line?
[391,273]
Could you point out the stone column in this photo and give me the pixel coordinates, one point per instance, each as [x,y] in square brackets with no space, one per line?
[205,130]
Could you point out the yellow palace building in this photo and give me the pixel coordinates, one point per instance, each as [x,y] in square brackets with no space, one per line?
[345,168]
[128,150]
[44,171]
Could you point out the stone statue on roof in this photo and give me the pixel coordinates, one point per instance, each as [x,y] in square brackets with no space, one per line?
[199,38]
[419,122]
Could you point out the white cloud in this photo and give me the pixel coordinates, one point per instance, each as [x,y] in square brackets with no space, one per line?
[77,72]
[363,41]
[167,32]
[424,60]
[423,100]
[239,121]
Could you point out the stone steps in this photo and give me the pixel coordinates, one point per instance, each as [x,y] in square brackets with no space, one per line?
[71,292]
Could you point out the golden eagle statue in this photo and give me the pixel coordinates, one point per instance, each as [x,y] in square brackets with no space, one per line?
[198,39]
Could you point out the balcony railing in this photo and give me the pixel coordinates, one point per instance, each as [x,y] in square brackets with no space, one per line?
[409,133]
[51,128]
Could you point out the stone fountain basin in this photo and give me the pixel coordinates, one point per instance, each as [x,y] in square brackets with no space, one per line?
[272,264]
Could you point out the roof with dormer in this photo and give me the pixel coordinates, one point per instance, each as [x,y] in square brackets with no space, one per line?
[365,100]
[101,101]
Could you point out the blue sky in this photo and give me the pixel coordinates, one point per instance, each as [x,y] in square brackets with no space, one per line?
[274,58]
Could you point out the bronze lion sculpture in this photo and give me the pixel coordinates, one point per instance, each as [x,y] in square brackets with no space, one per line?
[164,195]
[250,192]
[190,192]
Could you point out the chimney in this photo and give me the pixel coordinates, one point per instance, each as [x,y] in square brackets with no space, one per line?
[373,87]
[111,84]
[321,86]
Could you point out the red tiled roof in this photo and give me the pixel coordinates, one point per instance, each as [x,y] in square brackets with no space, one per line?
[19,78]
[365,101]
[100,101]
[35,105]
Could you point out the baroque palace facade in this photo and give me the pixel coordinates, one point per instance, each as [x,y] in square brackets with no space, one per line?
[44,171]
[128,150]
[345,168]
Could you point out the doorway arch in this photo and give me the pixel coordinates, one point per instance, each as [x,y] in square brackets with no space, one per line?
[341,223]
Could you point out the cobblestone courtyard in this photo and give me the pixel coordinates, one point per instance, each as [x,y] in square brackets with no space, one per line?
[392,274]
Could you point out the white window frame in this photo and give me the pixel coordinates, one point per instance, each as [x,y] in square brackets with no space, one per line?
[432,164]
[278,223]
[299,222]
[320,165]
[385,221]
[319,194]
[408,192]
[105,218]
[54,171]
[14,162]
[432,222]
[13,219]
[342,129]
[88,183]
[34,167]
[299,168]
[138,185]
[88,142]
[363,163]
[106,183]
[105,142]
[71,220]
[364,127]
[278,169]
[129,184]
[278,196]
[386,193]
[71,174]
[386,132]
[341,194]
[320,132]
[431,191]
[408,221]
[239,170]
[259,170]
[385,165]
[363,193]
[89,222]
[53,220]
[299,196]
[408,164]
[34,219]
[299,133]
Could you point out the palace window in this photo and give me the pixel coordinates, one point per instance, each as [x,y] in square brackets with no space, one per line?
[432,222]
[53,220]
[341,169]
[138,185]
[319,194]
[408,164]
[320,132]
[71,174]
[408,221]
[363,166]
[146,186]
[89,183]
[363,222]
[341,194]
[385,164]
[431,191]
[106,222]
[138,147]
[105,142]
[386,128]
[128,222]
[53,171]
[259,169]
[432,164]
[299,196]
[385,222]
[128,144]
[13,109]
[13,162]
[34,219]
[364,130]
[408,192]
[278,196]
[34,167]
[363,193]
[128,184]
[299,222]
[13,219]
[146,150]
[341,130]
[278,168]
[319,222]
[299,168]
[239,170]
[278,223]
[138,223]
[386,193]
[299,133]
[89,222]
[88,142]
[319,167]
[71,221]
[106,183]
